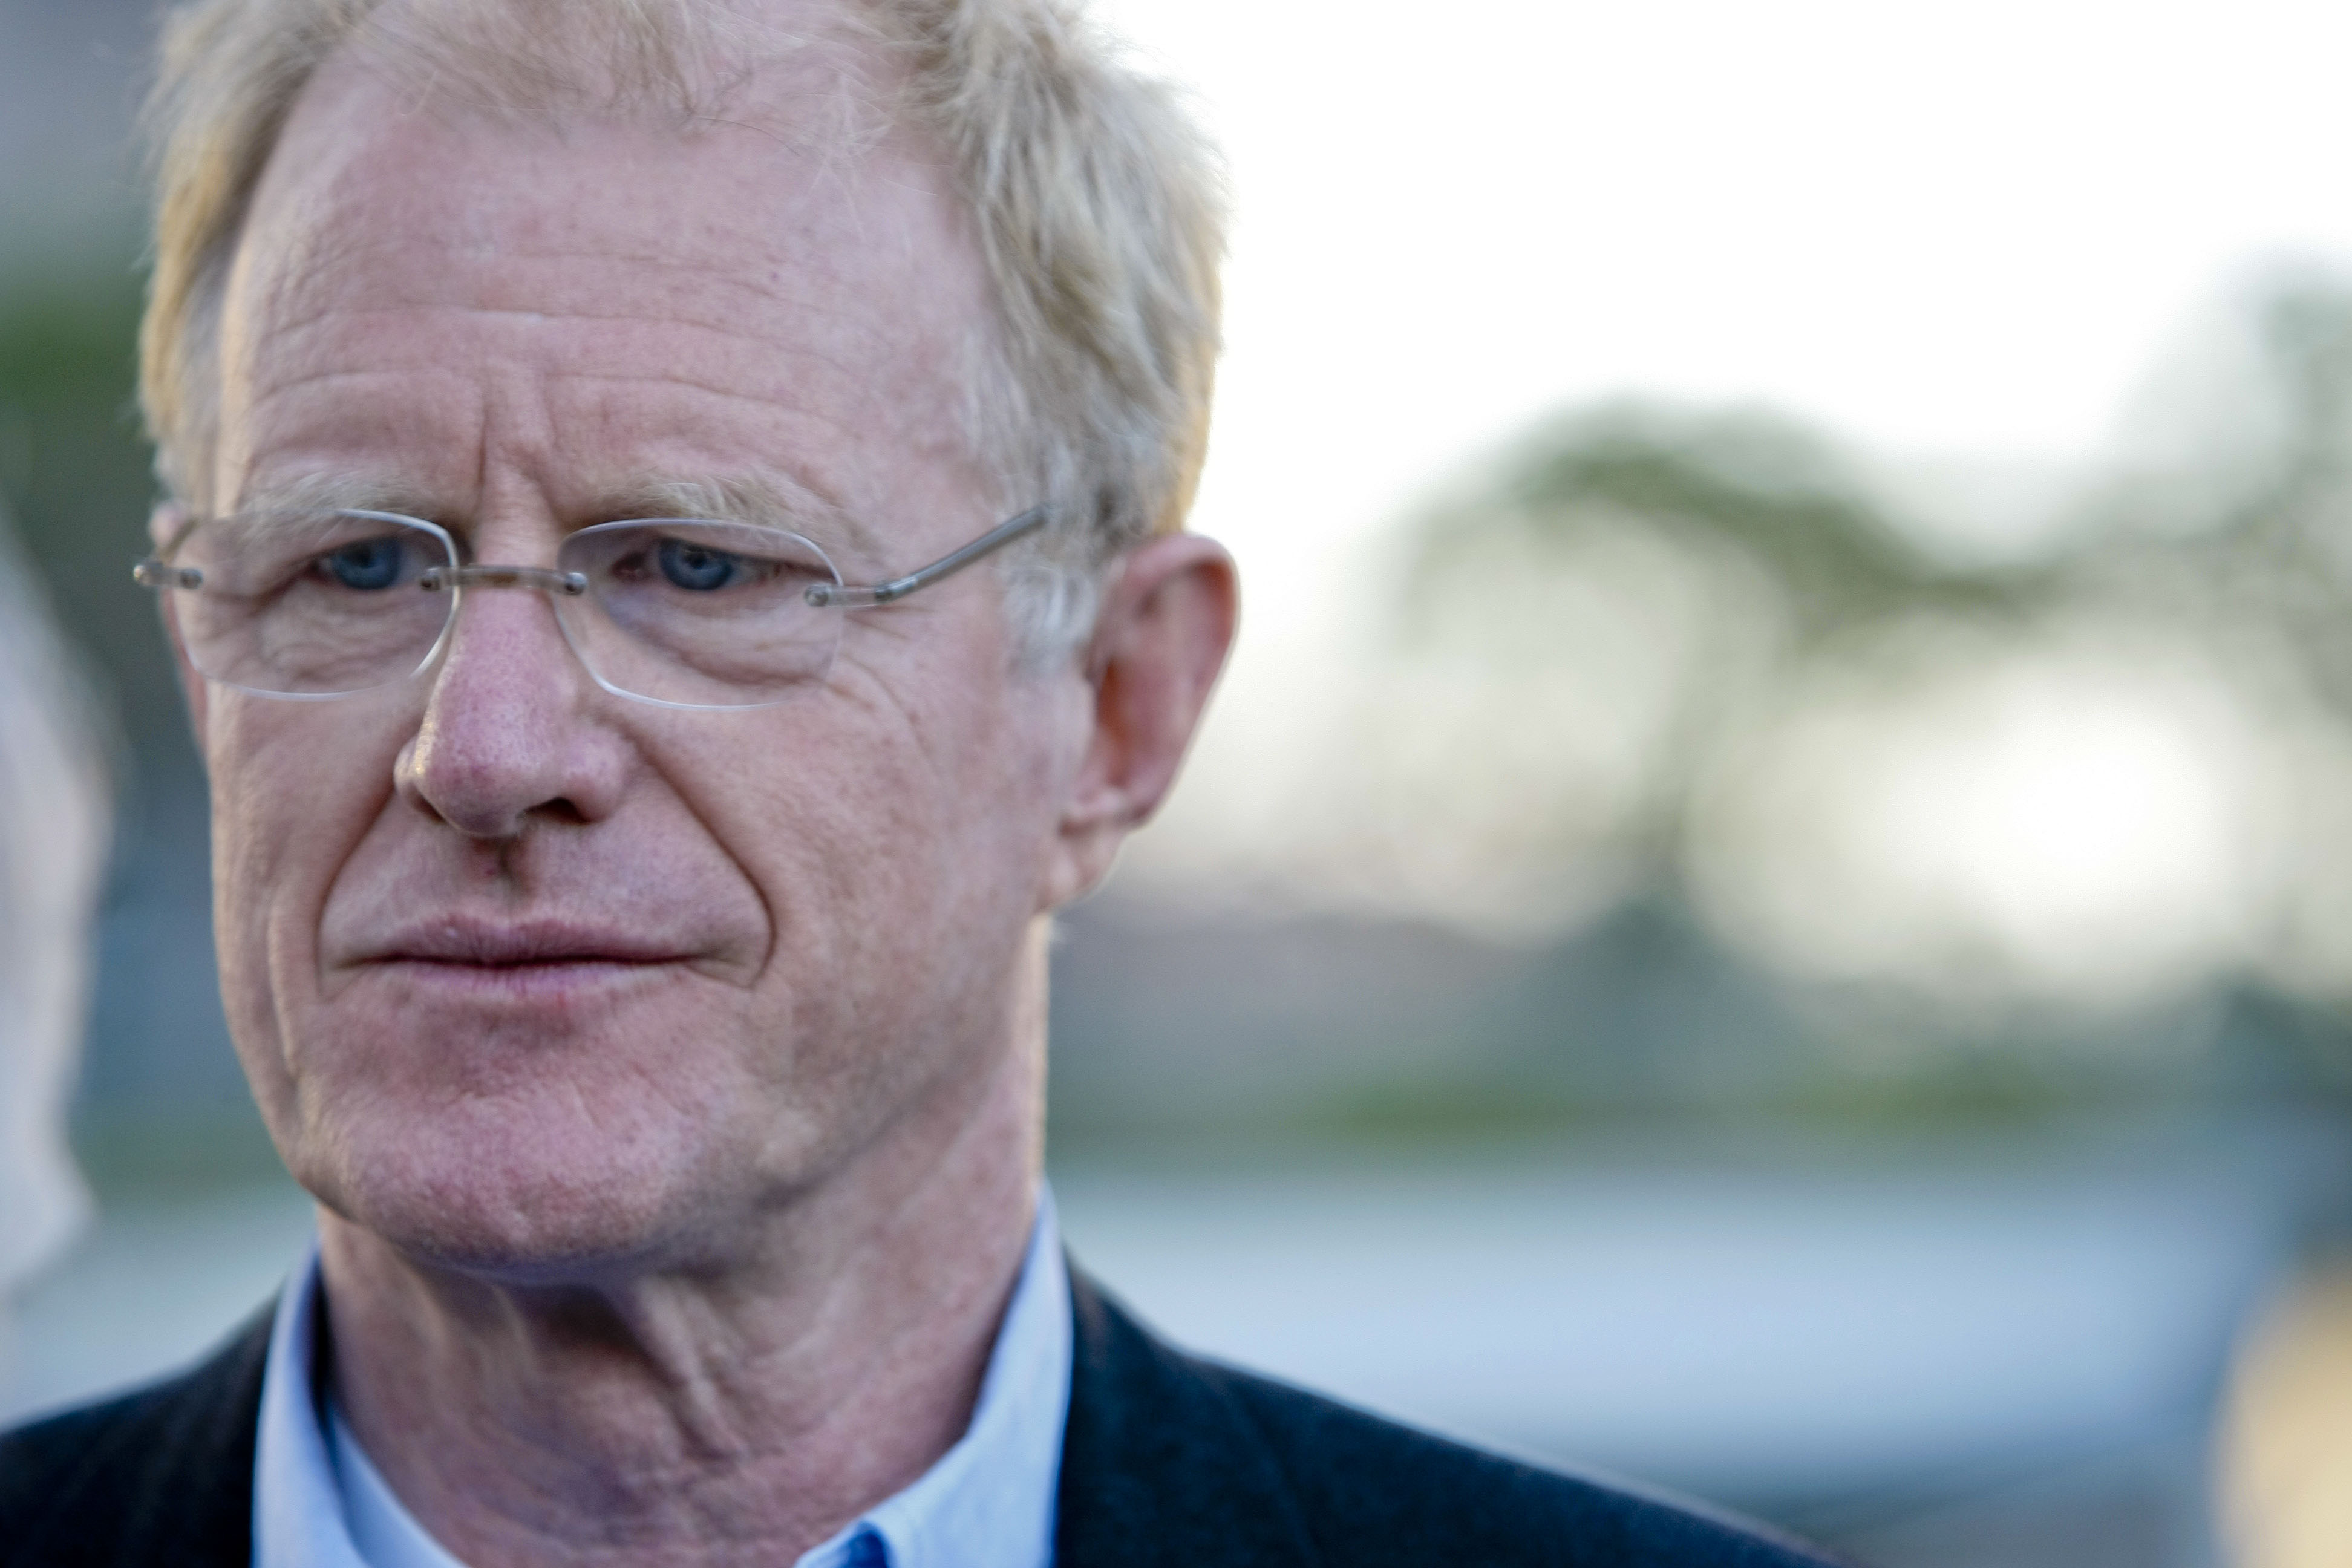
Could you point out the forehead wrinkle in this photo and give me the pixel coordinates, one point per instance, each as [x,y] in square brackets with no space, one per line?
[695,384]
[309,281]
[328,295]
[729,329]
[312,380]
[885,346]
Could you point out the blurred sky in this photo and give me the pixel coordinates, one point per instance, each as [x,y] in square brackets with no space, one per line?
[1941,232]
[1960,239]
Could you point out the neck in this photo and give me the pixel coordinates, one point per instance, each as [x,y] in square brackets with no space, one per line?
[711,1416]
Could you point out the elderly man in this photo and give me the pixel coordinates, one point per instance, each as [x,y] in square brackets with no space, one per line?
[674,542]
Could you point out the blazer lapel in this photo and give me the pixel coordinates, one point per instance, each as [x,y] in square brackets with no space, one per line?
[1161,1467]
[163,1475]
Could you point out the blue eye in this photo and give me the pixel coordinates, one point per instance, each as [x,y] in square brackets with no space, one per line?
[367,566]
[696,568]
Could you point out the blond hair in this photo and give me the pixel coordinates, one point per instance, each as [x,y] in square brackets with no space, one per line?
[1097,204]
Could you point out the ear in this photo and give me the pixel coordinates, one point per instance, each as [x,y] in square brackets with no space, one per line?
[1166,625]
[163,527]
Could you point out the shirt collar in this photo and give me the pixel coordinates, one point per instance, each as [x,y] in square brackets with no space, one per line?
[318,1503]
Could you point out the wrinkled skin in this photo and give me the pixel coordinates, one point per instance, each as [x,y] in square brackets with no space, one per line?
[671,1082]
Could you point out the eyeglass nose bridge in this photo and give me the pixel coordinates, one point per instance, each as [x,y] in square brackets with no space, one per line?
[490,574]
[571,584]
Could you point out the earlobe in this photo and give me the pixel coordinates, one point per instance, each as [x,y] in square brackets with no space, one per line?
[1166,627]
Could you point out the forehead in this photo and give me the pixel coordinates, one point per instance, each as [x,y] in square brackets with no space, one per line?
[588,300]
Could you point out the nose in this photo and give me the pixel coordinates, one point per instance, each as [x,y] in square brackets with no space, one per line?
[509,737]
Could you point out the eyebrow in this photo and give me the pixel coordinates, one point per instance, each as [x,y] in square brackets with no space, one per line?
[763,500]
[337,492]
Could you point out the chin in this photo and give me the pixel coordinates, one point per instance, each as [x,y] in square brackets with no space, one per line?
[523,1140]
[527,1187]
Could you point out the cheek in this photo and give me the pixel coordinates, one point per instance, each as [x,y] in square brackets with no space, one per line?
[294,787]
[895,844]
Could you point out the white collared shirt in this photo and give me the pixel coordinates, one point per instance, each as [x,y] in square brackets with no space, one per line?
[319,1502]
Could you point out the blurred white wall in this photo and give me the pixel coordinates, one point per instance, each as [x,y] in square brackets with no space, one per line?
[54,811]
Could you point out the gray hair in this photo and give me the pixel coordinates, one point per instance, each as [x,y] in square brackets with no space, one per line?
[1097,206]
[54,812]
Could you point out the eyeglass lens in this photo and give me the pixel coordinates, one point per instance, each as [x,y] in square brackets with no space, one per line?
[322,604]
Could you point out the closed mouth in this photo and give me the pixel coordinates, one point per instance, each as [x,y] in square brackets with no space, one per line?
[457,942]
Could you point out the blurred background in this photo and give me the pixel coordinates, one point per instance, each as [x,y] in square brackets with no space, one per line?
[1769,901]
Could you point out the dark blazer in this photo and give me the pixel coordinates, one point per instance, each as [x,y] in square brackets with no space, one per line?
[1168,1460]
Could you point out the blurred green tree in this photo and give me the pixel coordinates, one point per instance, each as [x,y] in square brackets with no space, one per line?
[1656,587]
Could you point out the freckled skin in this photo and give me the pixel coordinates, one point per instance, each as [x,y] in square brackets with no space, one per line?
[712,1247]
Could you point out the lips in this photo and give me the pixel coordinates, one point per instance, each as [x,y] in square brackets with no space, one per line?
[503,944]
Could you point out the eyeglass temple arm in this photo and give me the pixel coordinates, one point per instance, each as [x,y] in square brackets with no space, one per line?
[156,570]
[844,595]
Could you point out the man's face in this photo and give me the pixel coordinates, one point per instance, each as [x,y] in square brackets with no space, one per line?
[527,976]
